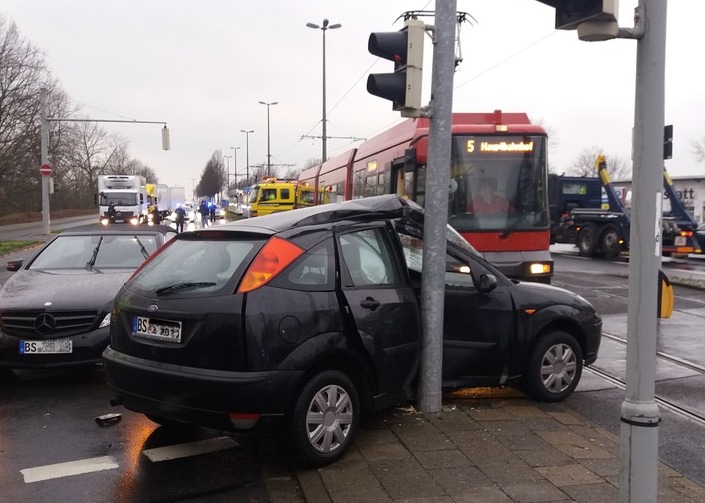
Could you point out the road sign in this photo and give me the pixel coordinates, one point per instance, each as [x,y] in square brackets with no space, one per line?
[45,170]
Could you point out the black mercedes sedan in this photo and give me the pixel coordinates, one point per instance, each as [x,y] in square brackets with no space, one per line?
[313,316]
[55,308]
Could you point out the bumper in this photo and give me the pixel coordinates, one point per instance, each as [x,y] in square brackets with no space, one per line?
[198,396]
[86,350]
[593,337]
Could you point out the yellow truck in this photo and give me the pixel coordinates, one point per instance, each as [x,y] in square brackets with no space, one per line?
[272,196]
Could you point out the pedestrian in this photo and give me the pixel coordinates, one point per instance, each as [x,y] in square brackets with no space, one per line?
[203,210]
[111,212]
[180,217]
[211,210]
[156,217]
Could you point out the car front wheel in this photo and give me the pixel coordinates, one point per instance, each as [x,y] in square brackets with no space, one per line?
[325,417]
[555,367]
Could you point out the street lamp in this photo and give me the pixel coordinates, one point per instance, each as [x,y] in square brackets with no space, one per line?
[227,170]
[234,149]
[323,28]
[269,155]
[247,147]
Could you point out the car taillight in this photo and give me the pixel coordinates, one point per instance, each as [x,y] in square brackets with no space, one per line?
[273,258]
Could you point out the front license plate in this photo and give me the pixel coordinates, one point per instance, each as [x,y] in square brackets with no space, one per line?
[159,330]
[53,346]
[680,240]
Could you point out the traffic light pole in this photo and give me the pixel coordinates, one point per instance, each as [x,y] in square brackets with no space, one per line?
[436,209]
[639,412]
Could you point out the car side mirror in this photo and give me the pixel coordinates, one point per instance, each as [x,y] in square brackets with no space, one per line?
[487,283]
[14,265]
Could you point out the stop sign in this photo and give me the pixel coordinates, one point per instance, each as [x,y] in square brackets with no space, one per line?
[45,170]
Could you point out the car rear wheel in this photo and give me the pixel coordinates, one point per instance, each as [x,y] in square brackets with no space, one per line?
[555,367]
[325,417]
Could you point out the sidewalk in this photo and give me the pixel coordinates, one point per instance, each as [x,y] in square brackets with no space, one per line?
[502,449]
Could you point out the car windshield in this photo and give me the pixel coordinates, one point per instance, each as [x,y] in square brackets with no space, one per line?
[189,265]
[98,251]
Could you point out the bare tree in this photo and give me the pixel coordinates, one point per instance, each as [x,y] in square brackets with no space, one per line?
[584,165]
[78,152]
[699,149]
[23,73]
[214,176]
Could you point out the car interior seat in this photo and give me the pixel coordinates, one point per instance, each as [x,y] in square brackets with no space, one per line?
[351,256]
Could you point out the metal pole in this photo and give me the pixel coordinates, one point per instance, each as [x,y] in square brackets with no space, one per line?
[639,413]
[44,147]
[324,135]
[247,154]
[235,149]
[269,155]
[436,217]
[324,152]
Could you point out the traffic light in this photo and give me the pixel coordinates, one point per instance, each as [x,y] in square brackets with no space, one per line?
[570,13]
[405,49]
[668,142]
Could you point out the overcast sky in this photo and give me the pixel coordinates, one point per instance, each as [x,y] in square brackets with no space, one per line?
[202,67]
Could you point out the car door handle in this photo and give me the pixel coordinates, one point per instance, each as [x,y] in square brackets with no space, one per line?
[370,303]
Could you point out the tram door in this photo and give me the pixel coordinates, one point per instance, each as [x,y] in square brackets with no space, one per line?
[409,180]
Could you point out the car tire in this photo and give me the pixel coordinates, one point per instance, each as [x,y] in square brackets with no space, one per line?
[610,242]
[554,368]
[325,418]
[587,241]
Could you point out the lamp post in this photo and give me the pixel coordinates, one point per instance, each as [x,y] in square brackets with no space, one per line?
[247,154]
[269,155]
[323,29]
[234,149]
[227,170]
[193,190]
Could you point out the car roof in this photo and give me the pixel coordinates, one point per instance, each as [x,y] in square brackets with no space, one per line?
[388,206]
[119,229]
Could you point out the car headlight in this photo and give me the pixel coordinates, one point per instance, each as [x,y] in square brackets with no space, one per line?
[105,322]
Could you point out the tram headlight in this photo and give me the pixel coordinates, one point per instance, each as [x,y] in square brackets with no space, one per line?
[539,268]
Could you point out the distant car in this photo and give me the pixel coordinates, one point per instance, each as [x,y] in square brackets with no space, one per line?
[55,309]
[313,316]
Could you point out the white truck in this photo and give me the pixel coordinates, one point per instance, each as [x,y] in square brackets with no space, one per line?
[122,199]
[176,196]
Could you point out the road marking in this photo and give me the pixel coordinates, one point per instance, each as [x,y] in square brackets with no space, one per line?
[67,469]
[189,449]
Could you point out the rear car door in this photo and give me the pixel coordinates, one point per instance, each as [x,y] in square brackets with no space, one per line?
[382,304]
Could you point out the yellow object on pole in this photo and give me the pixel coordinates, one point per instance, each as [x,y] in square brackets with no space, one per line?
[666,298]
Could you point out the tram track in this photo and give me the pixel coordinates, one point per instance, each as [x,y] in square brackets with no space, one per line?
[662,401]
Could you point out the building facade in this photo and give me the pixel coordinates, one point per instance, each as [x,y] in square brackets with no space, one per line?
[690,190]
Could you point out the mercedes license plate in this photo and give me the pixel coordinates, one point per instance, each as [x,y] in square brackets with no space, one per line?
[51,346]
[680,240]
[159,330]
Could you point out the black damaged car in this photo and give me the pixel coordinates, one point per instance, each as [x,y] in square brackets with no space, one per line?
[313,316]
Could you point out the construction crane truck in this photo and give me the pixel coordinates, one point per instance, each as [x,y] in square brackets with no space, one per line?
[588,213]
